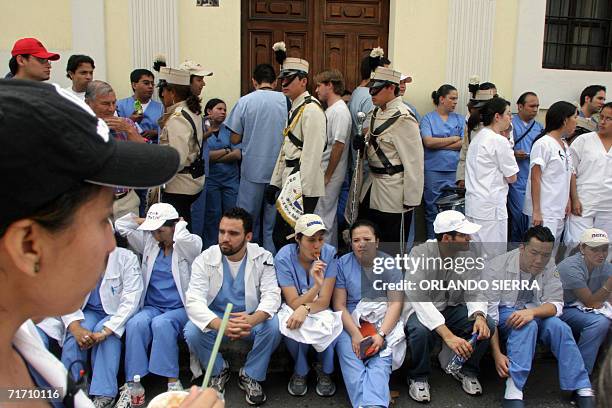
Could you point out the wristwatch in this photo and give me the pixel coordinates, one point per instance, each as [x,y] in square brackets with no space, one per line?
[306,307]
[479,313]
[381,333]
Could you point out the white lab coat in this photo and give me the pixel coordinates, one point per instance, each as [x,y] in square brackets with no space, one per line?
[261,289]
[28,343]
[319,329]
[187,247]
[374,312]
[54,328]
[120,291]
[506,267]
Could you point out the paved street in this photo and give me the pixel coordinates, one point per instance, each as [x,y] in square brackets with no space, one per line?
[542,390]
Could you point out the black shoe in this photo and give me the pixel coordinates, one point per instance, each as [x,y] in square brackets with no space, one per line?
[513,403]
[218,382]
[253,390]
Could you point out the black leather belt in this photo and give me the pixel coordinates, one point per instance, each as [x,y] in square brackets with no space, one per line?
[292,163]
[391,170]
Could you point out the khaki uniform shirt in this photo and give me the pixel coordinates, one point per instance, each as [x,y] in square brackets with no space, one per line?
[311,130]
[178,133]
[402,144]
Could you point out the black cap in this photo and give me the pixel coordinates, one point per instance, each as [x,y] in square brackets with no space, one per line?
[51,141]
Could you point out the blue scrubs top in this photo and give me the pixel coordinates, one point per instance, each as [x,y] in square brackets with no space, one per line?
[232,290]
[432,125]
[162,292]
[95,302]
[222,172]
[361,101]
[519,128]
[414,110]
[260,118]
[289,270]
[575,275]
[125,108]
[357,284]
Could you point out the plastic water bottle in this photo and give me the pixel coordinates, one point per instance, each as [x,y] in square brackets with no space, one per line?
[455,364]
[137,393]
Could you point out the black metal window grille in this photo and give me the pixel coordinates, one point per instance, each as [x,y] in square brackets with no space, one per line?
[578,35]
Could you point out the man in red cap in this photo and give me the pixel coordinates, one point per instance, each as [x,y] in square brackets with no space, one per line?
[31,60]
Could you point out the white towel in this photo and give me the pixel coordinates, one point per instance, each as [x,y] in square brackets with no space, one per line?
[374,312]
[319,329]
[605,310]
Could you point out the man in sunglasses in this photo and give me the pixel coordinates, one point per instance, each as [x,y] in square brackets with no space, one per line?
[31,60]
[303,146]
[394,185]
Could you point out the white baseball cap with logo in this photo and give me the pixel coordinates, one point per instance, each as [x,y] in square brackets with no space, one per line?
[451,220]
[309,224]
[594,237]
[157,215]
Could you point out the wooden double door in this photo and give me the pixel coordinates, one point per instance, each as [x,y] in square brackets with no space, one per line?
[327,33]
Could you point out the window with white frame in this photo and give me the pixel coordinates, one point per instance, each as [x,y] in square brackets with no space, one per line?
[578,35]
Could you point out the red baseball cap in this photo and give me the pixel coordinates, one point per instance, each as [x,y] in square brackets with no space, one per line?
[32,46]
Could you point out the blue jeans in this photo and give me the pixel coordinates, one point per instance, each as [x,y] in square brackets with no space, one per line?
[591,330]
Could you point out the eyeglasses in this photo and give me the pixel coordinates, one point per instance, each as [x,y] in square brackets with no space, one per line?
[147,83]
[605,119]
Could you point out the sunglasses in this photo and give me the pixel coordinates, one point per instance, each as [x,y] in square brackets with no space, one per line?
[287,80]
[375,90]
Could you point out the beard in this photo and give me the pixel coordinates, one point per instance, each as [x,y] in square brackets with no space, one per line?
[229,251]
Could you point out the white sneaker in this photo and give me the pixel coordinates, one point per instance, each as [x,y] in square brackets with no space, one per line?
[419,391]
[470,385]
[175,386]
[124,400]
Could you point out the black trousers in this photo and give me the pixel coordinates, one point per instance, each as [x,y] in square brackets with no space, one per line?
[182,204]
[391,226]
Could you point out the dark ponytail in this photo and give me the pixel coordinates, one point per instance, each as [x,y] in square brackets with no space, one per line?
[486,113]
[556,116]
[442,91]
[184,93]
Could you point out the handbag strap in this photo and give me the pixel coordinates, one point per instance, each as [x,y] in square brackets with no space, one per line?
[524,134]
[193,127]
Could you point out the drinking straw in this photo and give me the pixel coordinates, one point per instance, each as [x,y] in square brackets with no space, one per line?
[213,355]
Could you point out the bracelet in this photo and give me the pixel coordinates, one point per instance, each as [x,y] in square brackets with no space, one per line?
[306,307]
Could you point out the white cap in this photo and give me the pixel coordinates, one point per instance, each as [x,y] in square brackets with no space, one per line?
[406,78]
[194,68]
[594,237]
[451,220]
[174,76]
[309,224]
[157,215]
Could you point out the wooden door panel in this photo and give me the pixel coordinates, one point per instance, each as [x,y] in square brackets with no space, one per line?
[280,10]
[354,12]
[327,33]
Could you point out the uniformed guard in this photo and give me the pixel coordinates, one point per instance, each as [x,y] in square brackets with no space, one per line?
[394,185]
[182,129]
[304,142]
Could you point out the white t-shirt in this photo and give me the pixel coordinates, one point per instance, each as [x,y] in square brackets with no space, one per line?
[234,266]
[489,160]
[556,164]
[339,125]
[80,95]
[593,169]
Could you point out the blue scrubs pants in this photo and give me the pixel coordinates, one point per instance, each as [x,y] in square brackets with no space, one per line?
[552,332]
[435,181]
[265,336]
[519,221]
[366,382]
[421,341]
[220,197]
[251,198]
[160,330]
[104,356]
[591,330]
[299,353]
